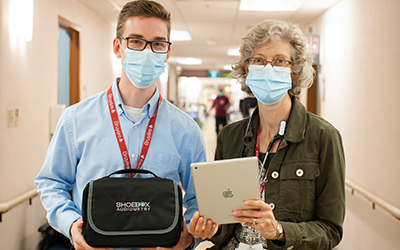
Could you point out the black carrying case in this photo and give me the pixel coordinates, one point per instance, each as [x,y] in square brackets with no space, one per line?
[132,212]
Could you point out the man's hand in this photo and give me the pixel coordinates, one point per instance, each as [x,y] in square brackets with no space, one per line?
[184,242]
[77,237]
[198,229]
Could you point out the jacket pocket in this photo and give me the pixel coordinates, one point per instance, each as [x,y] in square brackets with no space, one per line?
[297,188]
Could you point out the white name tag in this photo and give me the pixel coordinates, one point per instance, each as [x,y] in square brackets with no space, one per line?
[243,246]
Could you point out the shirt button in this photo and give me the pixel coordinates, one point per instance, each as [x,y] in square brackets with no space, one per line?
[272,205]
[151,114]
[275,174]
[299,172]
[135,127]
[133,156]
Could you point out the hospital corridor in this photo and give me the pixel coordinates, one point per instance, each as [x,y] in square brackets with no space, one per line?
[308,88]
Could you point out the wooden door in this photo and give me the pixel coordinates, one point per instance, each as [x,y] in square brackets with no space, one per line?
[312,94]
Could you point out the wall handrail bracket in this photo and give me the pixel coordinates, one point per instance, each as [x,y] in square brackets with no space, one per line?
[395,211]
[7,206]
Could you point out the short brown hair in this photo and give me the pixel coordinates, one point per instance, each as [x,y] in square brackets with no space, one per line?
[144,8]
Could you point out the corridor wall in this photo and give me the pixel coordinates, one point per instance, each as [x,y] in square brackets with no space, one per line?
[28,83]
[360,97]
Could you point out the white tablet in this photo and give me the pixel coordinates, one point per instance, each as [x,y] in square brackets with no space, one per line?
[222,186]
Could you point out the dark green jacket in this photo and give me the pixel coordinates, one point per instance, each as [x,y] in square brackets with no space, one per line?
[308,192]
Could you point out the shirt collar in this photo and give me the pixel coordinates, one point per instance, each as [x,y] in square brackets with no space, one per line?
[117,97]
[152,105]
[148,109]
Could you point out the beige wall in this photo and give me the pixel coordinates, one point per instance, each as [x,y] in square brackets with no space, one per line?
[361,100]
[28,82]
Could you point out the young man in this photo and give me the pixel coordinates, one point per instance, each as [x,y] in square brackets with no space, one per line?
[85,146]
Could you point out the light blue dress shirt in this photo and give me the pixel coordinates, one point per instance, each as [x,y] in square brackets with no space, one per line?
[84,147]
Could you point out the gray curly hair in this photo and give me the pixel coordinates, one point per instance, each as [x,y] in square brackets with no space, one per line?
[275,31]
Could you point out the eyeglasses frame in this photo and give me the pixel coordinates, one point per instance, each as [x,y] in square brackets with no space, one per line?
[147,42]
[272,62]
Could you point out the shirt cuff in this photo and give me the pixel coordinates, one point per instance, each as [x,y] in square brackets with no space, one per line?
[197,241]
[66,220]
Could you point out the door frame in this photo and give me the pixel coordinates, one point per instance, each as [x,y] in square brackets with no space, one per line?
[74,63]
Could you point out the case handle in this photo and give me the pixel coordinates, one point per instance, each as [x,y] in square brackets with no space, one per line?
[133,170]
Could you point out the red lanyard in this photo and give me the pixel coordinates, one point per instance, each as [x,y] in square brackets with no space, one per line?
[120,137]
[262,186]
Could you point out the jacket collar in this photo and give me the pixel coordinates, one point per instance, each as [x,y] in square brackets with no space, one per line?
[296,128]
[249,139]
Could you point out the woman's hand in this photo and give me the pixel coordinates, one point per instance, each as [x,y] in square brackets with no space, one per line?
[199,230]
[262,219]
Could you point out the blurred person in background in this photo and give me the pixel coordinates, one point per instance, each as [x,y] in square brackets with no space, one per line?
[221,104]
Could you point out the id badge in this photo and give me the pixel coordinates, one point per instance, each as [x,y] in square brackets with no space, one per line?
[243,246]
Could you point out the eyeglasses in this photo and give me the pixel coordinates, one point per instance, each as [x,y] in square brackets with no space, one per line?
[263,62]
[161,47]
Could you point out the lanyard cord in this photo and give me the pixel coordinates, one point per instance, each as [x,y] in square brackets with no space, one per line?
[120,137]
[265,178]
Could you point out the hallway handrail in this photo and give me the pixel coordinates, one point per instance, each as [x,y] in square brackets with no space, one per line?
[395,211]
[6,206]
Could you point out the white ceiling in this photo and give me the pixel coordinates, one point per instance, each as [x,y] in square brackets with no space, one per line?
[214,25]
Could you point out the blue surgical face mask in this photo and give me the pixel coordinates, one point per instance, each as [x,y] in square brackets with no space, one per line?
[269,84]
[143,67]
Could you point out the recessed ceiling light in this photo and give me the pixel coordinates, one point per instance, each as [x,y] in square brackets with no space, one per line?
[233,52]
[190,61]
[270,5]
[180,35]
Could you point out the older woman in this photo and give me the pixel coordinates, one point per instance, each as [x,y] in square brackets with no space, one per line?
[302,166]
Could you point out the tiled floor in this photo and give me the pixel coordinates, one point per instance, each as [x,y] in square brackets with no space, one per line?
[210,136]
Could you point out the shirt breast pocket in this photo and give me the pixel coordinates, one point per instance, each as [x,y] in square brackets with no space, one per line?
[164,165]
[297,188]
